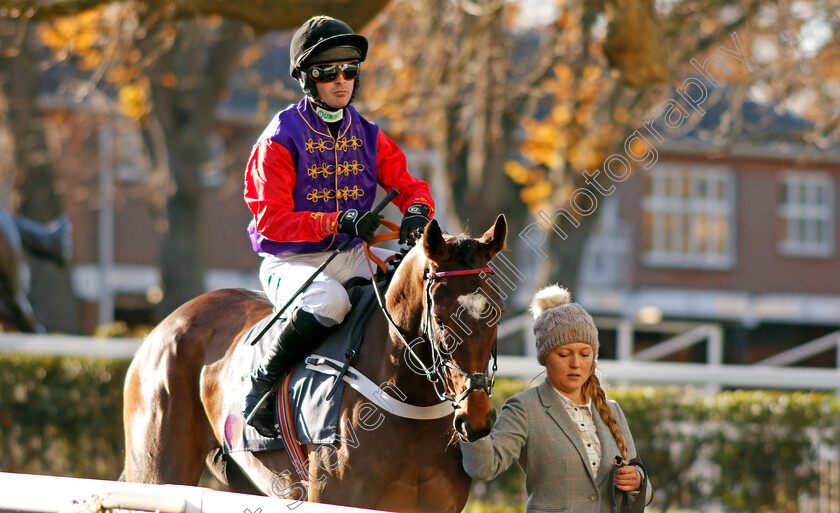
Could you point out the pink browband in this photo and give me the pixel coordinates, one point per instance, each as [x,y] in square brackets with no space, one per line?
[444,274]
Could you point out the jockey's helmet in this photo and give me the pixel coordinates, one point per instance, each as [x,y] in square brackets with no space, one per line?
[323,39]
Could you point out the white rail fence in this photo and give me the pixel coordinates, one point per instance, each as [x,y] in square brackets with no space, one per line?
[24,493]
[630,367]
[69,345]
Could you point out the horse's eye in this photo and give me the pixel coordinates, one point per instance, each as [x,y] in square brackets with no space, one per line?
[438,320]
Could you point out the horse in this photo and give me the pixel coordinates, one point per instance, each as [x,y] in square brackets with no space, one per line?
[444,305]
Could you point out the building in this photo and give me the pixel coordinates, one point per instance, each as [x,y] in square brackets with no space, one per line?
[744,235]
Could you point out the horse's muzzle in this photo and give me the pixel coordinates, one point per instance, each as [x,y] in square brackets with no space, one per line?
[470,433]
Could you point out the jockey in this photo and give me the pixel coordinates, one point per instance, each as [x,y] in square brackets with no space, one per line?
[310,183]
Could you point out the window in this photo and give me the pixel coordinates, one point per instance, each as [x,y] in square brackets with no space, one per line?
[806,214]
[688,216]
[131,159]
[213,169]
[605,251]
[132,162]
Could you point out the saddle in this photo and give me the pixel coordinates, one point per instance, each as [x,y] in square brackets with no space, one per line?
[314,416]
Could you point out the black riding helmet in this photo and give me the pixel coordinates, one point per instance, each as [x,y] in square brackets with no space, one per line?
[323,39]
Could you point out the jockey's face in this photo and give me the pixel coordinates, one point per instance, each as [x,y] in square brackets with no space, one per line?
[338,92]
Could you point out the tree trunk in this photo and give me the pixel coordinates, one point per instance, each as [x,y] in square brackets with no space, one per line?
[51,294]
[186,113]
[564,259]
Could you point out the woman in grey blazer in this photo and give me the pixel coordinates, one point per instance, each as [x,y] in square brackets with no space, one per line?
[564,433]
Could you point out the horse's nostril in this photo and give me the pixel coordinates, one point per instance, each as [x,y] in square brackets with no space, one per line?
[488,426]
[462,427]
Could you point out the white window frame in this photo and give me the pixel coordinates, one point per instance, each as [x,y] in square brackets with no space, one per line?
[133,164]
[131,159]
[662,202]
[813,210]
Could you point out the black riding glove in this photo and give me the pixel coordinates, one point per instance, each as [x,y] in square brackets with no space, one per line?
[358,223]
[416,218]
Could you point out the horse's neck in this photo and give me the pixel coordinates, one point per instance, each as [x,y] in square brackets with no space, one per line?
[404,301]
[405,295]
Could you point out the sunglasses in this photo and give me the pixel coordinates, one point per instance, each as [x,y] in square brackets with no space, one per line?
[329,72]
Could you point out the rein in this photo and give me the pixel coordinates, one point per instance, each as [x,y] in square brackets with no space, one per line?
[434,373]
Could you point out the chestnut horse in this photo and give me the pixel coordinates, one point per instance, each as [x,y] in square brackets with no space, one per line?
[175,386]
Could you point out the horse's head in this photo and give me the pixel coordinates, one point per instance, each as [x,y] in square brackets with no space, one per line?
[462,307]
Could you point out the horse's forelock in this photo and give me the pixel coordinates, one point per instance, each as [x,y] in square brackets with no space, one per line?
[463,246]
[465,249]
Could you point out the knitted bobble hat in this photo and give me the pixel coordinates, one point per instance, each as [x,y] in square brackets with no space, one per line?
[558,321]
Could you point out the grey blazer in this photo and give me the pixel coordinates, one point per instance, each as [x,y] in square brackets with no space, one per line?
[535,429]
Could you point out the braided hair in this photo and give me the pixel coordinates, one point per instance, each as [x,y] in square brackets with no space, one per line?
[592,389]
[558,321]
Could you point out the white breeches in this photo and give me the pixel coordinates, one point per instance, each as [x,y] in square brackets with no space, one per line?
[281,276]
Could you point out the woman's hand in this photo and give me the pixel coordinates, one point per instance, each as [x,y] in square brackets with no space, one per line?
[627,479]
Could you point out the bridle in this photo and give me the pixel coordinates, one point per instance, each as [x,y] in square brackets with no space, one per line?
[435,372]
[479,380]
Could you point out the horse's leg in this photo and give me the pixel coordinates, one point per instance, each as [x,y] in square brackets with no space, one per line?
[272,472]
[14,277]
[17,309]
[13,284]
[24,315]
[167,433]
[228,474]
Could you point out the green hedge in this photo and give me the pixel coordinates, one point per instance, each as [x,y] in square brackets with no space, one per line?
[759,448]
[61,416]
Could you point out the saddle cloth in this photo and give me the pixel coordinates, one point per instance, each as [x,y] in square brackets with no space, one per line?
[315,419]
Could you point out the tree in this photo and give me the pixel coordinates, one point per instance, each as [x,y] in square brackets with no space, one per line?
[29,170]
[261,16]
[530,108]
[170,64]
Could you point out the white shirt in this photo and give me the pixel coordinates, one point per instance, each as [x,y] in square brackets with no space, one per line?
[581,415]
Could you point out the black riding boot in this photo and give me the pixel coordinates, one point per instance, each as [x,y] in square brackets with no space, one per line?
[52,242]
[299,338]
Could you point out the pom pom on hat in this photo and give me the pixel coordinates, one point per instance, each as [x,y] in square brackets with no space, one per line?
[558,321]
[549,297]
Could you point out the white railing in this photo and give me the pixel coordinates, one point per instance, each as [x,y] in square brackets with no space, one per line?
[799,353]
[47,494]
[631,367]
[69,345]
[696,374]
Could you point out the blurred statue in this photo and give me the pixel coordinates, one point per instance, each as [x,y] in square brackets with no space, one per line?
[51,242]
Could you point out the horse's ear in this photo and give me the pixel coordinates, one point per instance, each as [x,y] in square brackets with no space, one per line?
[493,239]
[433,243]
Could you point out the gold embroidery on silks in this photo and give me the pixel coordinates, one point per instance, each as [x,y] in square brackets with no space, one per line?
[350,167]
[322,219]
[354,143]
[317,195]
[315,170]
[348,193]
[321,145]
